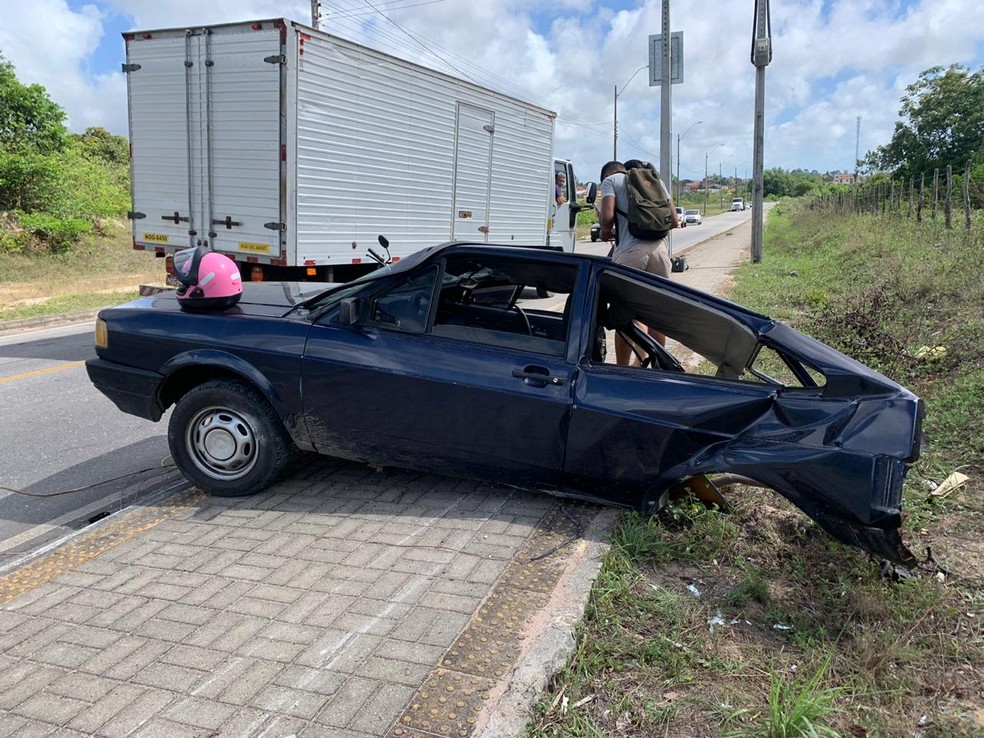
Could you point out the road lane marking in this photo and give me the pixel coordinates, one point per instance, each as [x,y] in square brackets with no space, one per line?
[36,372]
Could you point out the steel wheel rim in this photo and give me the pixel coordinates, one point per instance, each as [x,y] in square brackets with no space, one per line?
[221,443]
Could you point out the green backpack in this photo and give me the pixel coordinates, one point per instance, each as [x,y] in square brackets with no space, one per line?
[650,213]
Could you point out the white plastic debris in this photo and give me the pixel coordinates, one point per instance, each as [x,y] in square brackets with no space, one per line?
[717,620]
[780,626]
[930,353]
[693,590]
[951,483]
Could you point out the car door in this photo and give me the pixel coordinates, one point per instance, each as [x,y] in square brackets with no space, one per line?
[633,430]
[412,386]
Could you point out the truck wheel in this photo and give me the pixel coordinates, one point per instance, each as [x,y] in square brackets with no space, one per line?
[227,440]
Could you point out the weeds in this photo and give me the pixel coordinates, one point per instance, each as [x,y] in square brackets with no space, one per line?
[872,657]
[798,708]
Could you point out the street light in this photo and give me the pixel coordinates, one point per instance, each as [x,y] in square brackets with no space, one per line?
[617,93]
[679,137]
[705,174]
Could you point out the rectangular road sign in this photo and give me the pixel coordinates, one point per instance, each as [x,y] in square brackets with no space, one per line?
[656,58]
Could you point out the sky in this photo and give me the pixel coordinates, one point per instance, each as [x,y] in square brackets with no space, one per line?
[833,62]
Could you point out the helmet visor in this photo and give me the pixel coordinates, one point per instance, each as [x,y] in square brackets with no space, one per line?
[186,264]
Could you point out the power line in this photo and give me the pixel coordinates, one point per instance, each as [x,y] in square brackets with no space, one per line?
[349,21]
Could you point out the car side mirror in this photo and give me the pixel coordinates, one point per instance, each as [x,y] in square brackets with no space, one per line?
[349,311]
[592,193]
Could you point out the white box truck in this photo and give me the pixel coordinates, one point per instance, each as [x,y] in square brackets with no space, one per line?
[291,151]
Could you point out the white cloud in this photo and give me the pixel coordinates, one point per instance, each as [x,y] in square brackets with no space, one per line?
[833,60]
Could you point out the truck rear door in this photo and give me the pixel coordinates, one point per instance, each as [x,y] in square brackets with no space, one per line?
[207,138]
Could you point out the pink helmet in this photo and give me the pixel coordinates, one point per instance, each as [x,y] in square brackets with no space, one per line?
[209,281]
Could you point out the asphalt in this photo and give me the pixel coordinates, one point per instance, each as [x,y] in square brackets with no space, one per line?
[345,601]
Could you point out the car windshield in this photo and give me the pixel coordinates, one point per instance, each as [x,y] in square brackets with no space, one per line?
[693,212]
[333,295]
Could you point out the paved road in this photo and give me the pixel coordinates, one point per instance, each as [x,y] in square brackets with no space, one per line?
[59,433]
[683,238]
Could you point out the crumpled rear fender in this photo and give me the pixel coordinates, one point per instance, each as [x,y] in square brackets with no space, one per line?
[857,498]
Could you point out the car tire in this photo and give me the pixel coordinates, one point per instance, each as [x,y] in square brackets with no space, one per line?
[227,440]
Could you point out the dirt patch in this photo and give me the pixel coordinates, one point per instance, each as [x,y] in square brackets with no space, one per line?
[26,293]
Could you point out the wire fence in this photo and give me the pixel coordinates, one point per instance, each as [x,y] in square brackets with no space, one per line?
[939,195]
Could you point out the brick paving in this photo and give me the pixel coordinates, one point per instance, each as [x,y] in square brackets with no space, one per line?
[344,602]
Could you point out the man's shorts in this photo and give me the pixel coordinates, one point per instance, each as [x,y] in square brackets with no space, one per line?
[649,256]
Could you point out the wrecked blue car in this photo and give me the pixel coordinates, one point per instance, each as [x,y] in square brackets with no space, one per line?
[490,362]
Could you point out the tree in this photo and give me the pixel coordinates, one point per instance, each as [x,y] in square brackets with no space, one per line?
[29,120]
[103,145]
[942,123]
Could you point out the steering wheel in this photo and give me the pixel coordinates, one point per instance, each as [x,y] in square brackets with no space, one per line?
[526,319]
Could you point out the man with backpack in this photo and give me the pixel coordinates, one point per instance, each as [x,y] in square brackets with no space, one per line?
[636,209]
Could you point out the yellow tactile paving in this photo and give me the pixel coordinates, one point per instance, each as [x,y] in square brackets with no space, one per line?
[455,693]
[90,545]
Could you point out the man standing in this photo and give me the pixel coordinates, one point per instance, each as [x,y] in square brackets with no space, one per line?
[649,256]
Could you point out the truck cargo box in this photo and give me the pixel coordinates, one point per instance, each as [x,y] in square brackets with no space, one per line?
[281,145]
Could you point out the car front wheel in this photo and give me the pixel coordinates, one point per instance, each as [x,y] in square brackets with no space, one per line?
[227,440]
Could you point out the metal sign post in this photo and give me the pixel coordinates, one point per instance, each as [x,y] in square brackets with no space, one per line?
[666,69]
[760,57]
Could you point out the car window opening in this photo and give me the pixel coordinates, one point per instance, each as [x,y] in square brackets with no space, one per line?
[700,339]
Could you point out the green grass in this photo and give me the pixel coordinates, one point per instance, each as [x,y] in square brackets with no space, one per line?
[105,270]
[70,303]
[794,634]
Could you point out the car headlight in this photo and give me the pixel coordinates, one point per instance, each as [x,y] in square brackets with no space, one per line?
[102,333]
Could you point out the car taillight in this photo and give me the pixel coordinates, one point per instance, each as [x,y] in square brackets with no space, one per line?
[169,265]
[256,273]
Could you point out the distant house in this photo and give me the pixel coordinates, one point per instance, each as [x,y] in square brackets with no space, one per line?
[846,177]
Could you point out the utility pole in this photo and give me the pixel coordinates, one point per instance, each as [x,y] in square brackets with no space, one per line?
[615,108]
[760,57]
[857,151]
[615,127]
[315,14]
[721,184]
[679,137]
[706,157]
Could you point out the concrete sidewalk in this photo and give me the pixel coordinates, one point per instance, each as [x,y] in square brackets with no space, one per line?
[344,601]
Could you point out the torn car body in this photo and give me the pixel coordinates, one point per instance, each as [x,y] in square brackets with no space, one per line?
[448,362]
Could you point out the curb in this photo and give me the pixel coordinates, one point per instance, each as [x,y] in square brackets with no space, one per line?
[46,321]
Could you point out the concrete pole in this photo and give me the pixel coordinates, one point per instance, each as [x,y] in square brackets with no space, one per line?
[759,151]
[615,127]
[760,57]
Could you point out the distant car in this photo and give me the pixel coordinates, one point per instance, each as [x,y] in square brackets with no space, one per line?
[441,363]
[681,216]
[737,204]
[595,231]
[693,216]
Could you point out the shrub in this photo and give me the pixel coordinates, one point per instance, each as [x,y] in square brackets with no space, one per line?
[27,181]
[57,234]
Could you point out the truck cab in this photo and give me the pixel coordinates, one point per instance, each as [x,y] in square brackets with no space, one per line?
[737,204]
[561,233]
